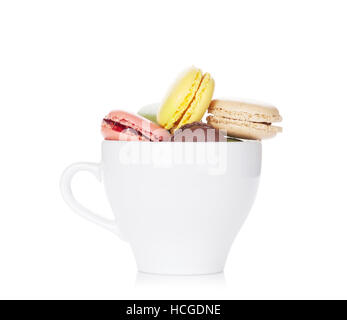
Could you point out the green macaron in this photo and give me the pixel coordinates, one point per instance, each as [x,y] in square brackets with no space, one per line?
[150,112]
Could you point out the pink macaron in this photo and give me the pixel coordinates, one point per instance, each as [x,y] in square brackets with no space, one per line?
[124,126]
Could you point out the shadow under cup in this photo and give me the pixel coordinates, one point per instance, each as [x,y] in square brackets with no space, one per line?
[180,205]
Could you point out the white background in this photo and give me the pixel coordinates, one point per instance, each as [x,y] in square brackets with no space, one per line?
[65,64]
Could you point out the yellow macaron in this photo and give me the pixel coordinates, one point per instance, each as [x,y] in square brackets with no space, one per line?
[187,100]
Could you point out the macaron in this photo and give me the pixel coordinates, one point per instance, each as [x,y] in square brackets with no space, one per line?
[187,100]
[150,112]
[198,132]
[246,120]
[125,126]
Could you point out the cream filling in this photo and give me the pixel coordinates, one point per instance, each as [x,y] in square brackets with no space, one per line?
[242,124]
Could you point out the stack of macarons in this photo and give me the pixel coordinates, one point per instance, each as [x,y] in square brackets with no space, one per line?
[179,116]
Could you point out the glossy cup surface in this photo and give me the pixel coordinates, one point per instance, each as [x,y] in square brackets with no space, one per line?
[180,205]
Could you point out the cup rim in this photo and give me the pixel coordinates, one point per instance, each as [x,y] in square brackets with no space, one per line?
[244,141]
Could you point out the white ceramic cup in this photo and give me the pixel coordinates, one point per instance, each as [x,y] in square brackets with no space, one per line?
[179,205]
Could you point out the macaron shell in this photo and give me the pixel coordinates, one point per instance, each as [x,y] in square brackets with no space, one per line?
[244,129]
[243,110]
[200,103]
[179,97]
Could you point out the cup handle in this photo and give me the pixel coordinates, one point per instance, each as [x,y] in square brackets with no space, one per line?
[65,188]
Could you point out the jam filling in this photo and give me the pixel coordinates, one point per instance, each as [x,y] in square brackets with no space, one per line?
[116,126]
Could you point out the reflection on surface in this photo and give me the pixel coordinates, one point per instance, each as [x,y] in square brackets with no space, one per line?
[204,281]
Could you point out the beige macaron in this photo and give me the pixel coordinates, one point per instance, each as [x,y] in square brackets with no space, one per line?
[246,120]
